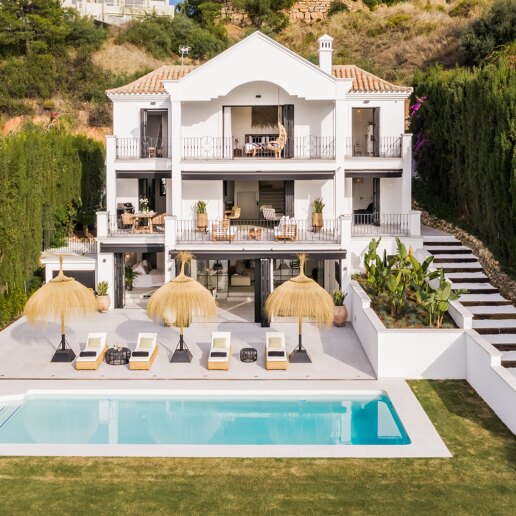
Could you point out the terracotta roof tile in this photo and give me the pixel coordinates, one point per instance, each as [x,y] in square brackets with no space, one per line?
[153,81]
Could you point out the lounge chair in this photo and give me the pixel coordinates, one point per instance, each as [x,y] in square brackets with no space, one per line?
[145,352]
[269,213]
[94,352]
[220,351]
[223,231]
[286,230]
[278,145]
[275,351]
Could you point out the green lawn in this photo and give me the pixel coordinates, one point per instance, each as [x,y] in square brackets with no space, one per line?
[479,479]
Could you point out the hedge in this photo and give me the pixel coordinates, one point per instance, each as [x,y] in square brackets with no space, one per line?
[465,134]
[40,174]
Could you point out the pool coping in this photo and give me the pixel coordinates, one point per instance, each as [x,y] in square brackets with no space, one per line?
[425,441]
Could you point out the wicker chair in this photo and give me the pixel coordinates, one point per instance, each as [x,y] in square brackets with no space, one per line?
[159,221]
[128,219]
[278,145]
[223,231]
[234,213]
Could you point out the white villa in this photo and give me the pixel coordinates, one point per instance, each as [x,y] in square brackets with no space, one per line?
[116,12]
[184,134]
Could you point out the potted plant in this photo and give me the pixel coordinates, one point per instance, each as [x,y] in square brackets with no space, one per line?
[130,275]
[102,296]
[340,312]
[202,215]
[317,210]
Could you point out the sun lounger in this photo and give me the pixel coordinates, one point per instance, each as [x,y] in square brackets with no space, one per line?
[145,352]
[220,351]
[93,354]
[275,351]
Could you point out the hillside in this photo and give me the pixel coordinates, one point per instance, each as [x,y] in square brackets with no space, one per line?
[392,41]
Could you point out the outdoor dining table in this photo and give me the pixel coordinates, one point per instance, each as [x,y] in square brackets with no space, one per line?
[142,216]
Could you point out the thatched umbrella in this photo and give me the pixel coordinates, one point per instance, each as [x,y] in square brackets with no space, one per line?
[300,297]
[59,299]
[177,301]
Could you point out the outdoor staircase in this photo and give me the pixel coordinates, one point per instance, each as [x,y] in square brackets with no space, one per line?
[494,317]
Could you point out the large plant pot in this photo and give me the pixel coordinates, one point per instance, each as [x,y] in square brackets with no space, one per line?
[340,315]
[202,221]
[317,220]
[103,302]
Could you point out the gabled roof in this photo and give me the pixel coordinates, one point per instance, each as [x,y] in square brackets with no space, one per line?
[152,83]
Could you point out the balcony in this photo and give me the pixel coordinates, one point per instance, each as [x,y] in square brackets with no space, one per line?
[386,147]
[139,224]
[142,148]
[371,224]
[256,147]
[258,231]
[61,241]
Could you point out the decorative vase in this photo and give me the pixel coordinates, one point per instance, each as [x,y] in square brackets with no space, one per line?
[103,303]
[128,287]
[317,220]
[202,221]
[340,315]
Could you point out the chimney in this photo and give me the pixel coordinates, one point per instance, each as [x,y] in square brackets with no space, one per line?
[325,52]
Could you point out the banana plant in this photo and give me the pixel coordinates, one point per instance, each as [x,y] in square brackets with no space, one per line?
[420,272]
[371,255]
[397,286]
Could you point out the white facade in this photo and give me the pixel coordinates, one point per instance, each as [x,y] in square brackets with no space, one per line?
[116,12]
[191,135]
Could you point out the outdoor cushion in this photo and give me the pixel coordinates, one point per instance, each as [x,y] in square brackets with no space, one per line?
[275,342]
[276,354]
[88,354]
[140,354]
[95,343]
[217,354]
[220,342]
[146,342]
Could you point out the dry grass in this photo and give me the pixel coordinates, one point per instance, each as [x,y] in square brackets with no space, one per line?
[392,42]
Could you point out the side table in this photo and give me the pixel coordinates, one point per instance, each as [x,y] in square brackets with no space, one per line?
[248,355]
[118,356]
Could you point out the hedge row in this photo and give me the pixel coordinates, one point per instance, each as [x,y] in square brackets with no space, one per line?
[465,134]
[40,174]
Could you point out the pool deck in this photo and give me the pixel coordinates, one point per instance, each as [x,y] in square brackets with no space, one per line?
[26,351]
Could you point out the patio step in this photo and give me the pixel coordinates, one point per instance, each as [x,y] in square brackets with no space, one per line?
[493,312]
[460,267]
[494,326]
[455,258]
[441,240]
[509,359]
[502,340]
[482,299]
[467,277]
[476,288]
[448,250]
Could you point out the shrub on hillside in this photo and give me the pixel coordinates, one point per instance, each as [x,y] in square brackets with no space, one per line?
[162,36]
[486,34]
[464,8]
[373,4]
[266,15]
[337,6]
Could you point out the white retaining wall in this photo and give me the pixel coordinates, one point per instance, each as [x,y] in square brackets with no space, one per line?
[435,354]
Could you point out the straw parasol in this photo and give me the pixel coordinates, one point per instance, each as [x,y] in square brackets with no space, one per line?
[60,298]
[300,297]
[177,301]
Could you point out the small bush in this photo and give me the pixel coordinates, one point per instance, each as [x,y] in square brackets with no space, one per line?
[399,22]
[15,107]
[100,115]
[464,8]
[337,7]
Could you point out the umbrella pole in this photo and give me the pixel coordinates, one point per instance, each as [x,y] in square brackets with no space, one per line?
[182,354]
[300,355]
[64,353]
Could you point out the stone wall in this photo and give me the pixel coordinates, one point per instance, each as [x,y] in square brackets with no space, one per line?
[308,11]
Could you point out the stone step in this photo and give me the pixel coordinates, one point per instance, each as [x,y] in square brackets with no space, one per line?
[455,258]
[442,243]
[502,339]
[509,359]
[460,267]
[440,238]
[447,250]
[476,288]
[493,312]
[483,299]
[467,277]
[494,326]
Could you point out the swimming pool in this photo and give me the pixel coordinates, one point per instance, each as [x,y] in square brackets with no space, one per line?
[364,418]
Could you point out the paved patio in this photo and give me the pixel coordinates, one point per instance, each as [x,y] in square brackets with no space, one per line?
[26,351]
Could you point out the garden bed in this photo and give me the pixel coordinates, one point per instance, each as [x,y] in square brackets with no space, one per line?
[413,315]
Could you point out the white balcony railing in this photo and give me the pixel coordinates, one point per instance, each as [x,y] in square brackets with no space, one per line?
[386,147]
[257,146]
[380,224]
[256,231]
[142,148]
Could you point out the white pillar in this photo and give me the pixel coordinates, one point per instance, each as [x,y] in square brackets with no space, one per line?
[340,199]
[170,244]
[102,224]
[345,231]
[106,272]
[175,131]
[110,174]
[415,223]
[406,157]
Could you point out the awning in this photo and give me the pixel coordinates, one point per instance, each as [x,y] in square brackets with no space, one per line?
[256,175]
[211,254]
[148,174]
[132,248]
[374,173]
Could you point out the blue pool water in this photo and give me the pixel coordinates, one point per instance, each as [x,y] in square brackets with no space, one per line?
[365,419]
